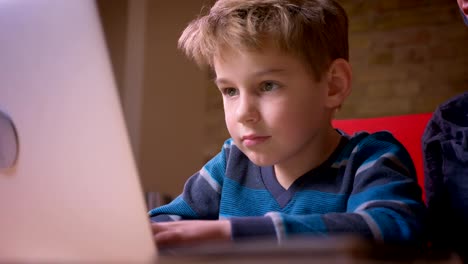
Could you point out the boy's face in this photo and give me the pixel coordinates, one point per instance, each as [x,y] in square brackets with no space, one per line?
[274,109]
[463,4]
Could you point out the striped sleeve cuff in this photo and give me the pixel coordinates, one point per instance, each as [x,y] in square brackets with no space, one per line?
[252,227]
[165,218]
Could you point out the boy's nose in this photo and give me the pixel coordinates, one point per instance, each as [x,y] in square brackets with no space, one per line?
[247,111]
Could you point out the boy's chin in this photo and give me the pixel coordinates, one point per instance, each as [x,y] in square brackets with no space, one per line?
[260,161]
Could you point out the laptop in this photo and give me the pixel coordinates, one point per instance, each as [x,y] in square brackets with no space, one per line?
[69,188]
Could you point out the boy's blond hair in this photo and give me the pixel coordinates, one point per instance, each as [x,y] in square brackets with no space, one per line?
[314,30]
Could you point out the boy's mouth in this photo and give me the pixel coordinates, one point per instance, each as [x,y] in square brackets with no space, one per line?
[253,140]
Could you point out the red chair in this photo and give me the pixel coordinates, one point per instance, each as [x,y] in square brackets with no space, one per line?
[408,129]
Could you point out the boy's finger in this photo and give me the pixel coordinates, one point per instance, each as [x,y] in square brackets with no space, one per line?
[156,227]
[169,238]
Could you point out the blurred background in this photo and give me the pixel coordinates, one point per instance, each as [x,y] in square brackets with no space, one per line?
[408,56]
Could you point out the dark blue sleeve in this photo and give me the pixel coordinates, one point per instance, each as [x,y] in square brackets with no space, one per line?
[201,195]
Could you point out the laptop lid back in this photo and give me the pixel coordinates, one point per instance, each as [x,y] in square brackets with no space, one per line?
[71,190]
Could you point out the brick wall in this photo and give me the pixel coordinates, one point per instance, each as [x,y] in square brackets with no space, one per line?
[408,56]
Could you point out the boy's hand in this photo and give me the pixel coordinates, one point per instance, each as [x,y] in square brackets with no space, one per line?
[191,231]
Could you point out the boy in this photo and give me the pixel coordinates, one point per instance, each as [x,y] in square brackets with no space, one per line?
[282,69]
[463,4]
[445,150]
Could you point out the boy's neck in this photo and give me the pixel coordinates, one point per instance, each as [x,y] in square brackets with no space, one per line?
[324,145]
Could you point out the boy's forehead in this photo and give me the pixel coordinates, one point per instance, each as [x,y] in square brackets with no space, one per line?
[267,51]
[268,59]
[252,58]
[233,64]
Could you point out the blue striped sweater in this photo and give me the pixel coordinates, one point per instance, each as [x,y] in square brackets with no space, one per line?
[367,187]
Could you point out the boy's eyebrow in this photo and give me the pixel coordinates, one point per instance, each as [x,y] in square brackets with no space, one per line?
[218,81]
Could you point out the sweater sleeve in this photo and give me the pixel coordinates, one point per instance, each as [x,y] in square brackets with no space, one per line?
[201,195]
[385,203]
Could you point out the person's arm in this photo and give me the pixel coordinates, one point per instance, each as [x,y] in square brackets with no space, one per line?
[385,203]
[201,195]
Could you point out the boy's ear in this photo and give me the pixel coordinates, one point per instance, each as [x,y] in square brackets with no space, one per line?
[339,77]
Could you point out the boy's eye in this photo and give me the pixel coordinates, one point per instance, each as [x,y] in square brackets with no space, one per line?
[269,86]
[229,91]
